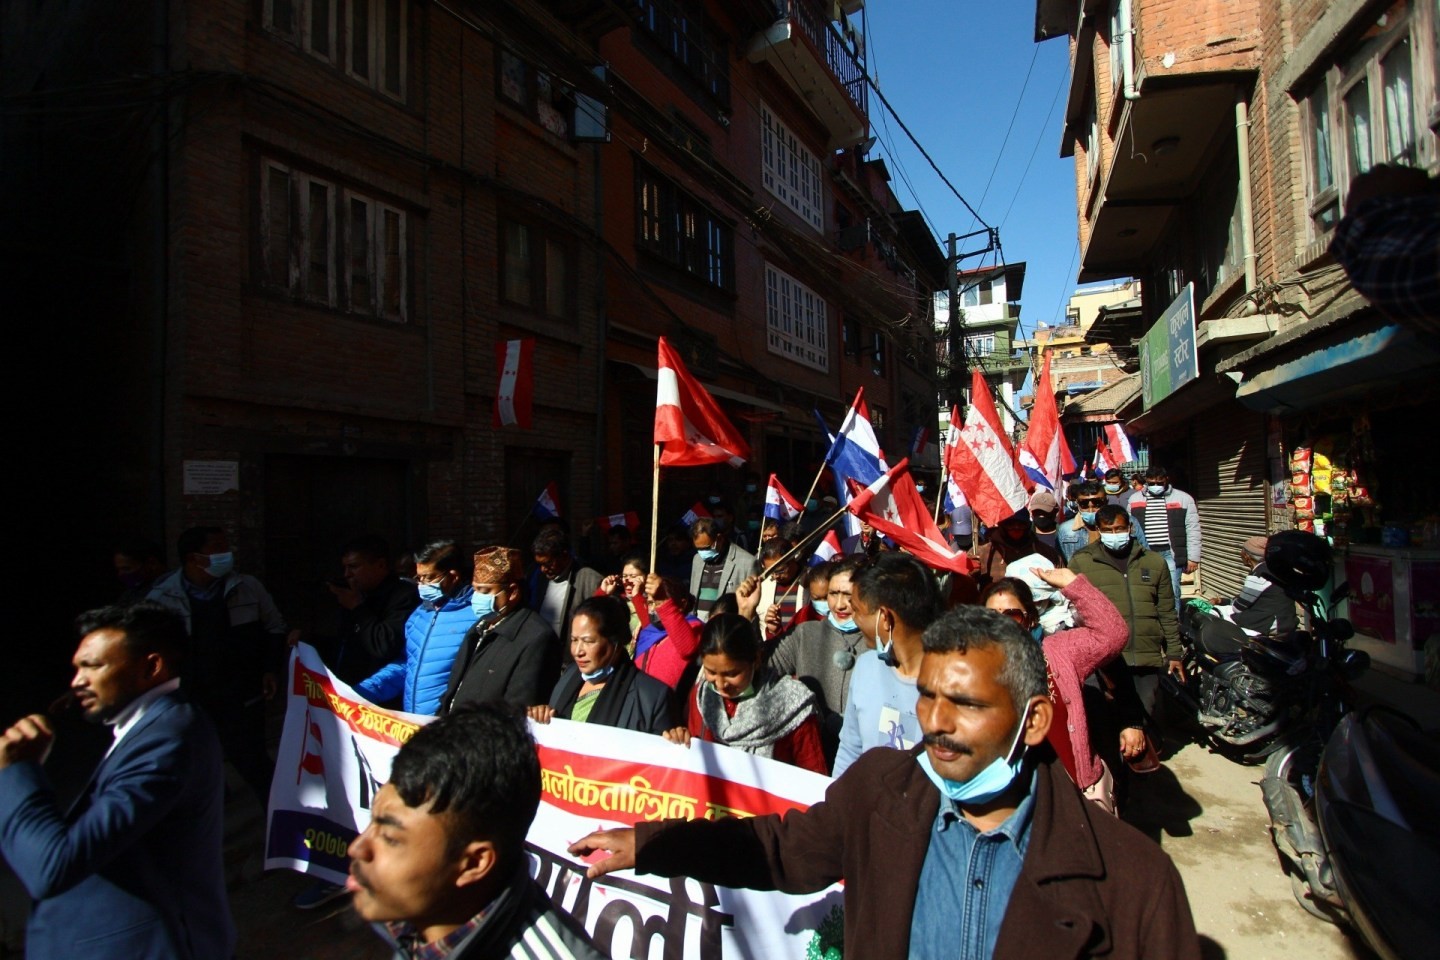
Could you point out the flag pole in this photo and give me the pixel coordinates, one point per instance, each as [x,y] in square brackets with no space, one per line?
[655,510]
[813,484]
[944,475]
[817,534]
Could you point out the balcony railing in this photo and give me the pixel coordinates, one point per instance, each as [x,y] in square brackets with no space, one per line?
[830,46]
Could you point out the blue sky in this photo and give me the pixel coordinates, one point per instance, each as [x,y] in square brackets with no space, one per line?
[954,71]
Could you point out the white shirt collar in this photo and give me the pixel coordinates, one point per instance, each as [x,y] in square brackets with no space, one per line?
[126,719]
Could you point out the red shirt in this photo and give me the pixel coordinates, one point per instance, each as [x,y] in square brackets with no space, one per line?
[800,747]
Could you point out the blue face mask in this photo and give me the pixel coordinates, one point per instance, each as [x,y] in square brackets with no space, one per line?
[989,783]
[220,565]
[1157,489]
[431,592]
[598,674]
[812,504]
[1112,488]
[1088,517]
[822,607]
[483,604]
[844,626]
[1115,541]
[1037,633]
[708,554]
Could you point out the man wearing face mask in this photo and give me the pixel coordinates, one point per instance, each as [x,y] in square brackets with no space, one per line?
[1080,530]
[1171,523]
[237,639]
[510,653]
[1010,540]
[433,632]
[1138,582]
[895,597]
[719,567]
[1116,490]
[979,823]
[1045,517]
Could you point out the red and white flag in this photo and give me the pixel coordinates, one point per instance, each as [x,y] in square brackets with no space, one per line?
[982,461]
[688,423]
[694,513]
[513,398]
[1119,444]
[629,519]
[893,506]
[828,549]
[1049,457]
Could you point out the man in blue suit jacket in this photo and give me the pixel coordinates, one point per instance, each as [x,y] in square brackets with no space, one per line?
[133,868]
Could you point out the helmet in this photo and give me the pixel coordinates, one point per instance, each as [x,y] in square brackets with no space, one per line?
[1299,560]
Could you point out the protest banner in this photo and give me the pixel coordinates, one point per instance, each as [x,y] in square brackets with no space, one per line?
[336,750]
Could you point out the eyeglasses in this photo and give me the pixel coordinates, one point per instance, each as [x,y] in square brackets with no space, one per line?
[431,580]
[1018,615]
[1098,502]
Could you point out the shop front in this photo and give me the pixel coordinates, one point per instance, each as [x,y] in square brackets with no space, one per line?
[1353,401]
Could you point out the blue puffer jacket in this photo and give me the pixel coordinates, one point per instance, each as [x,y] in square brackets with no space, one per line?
[432,636]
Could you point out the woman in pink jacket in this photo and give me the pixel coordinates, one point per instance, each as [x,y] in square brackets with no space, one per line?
[1070,656]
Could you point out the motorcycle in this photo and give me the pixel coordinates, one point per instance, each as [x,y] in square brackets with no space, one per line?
[1248,693]
[1352,796]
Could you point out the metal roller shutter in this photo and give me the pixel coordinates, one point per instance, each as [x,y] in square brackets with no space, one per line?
[1229,472]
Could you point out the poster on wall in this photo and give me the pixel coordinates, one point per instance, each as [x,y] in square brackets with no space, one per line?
[1425,601]
[1372,595]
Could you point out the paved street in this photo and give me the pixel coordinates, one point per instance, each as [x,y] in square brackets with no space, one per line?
[1206,811]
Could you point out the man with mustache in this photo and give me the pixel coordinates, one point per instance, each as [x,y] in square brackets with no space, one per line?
[973,844]
[442,864]
[133,867]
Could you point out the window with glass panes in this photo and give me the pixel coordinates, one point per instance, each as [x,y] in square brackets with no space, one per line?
[1370,106]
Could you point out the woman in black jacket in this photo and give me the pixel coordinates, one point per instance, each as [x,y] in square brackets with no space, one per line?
[602,684]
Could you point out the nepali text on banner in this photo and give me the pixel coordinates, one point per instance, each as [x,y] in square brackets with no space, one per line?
[336,751]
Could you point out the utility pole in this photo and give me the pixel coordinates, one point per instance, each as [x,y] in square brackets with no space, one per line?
[956,334]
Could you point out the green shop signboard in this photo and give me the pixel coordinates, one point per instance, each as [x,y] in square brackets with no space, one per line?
[1168,359]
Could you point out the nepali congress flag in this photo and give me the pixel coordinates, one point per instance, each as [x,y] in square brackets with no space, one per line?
[547,505]
[780,504]
[982,462]
[855,453]
[694,513]
[516,360]
[689,425]
[828,549]
[1046,457]
[629,519]
[1119,444]
[893,506]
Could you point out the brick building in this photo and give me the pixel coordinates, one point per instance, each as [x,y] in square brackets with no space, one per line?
[271,245]
[1213,144]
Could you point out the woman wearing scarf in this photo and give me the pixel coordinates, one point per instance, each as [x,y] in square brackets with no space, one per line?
[743,704]
[1098,635]
[602,685]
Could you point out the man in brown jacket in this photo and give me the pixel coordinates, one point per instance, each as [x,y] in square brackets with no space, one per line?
[975,844]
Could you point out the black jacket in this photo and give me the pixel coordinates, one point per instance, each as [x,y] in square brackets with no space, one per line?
[630,699]
[373,634]
[516,660]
